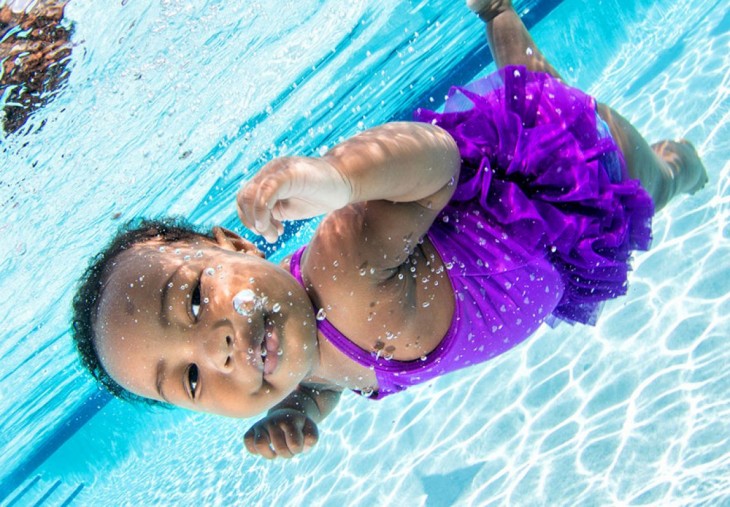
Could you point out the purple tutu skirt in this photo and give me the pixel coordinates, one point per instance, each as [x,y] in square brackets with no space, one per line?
[543,167]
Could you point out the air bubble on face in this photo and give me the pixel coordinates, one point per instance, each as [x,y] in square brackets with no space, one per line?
[321,314]
[162,249]
[177,251]
[186,258]
[276,308]
[244,302]
[209,271]
[199,254]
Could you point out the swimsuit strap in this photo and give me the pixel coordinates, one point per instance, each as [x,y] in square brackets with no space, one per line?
[384,368]
[325,327]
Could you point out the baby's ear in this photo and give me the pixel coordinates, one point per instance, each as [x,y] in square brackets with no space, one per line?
[229,240]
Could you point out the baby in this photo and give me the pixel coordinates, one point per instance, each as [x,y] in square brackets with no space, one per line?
[446,242]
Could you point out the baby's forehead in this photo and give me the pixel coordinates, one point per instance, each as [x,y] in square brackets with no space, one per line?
[156,257]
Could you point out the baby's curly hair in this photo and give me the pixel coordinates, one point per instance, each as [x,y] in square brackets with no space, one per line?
[91,287]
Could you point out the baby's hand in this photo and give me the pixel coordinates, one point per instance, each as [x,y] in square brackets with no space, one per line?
[283,433]
[291,188]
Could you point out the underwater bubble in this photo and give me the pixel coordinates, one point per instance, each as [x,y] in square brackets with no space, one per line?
[363,272]
[400,276]
[423,358]
[321,314]
[162,249]
[184,286]
[245,302]
[206,300]
[199,254]
[250,350]
[276,308]
[186,258]
[426,304]
[209,271]
[177,251]
[280,352]
[264,352]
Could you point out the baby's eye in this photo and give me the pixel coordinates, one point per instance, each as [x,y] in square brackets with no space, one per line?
[195,301]
[193,379]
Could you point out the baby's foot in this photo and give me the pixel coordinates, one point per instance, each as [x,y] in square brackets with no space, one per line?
[489,9]
[687,168]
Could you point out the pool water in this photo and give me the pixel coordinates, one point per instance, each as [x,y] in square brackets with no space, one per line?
[171,104]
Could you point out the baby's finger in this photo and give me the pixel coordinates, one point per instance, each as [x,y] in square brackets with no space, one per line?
[278,441]
[262,444]
[249,441]
[311,434]
[244,199]
[294,439]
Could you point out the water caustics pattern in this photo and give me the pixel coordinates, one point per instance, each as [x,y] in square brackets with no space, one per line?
[169,104]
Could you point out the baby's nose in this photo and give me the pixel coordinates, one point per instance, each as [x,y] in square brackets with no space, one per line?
[219,350]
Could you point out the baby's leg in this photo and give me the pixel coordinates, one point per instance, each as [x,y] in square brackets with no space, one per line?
[509,40]
[665,169]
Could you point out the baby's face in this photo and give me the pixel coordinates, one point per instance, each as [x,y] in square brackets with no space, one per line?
[205,327]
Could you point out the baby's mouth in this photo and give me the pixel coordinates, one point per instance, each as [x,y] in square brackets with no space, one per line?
[270,351]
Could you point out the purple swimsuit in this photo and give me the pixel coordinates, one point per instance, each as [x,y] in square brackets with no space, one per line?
[541,226]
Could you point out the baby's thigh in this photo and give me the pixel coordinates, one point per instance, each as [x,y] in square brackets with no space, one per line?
[641,160]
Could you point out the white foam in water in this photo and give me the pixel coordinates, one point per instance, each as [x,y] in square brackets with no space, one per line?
[635,411]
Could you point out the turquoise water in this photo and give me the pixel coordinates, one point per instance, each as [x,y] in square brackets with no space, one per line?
[169,106]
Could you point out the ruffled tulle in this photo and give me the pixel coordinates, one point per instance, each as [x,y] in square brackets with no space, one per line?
[544,167]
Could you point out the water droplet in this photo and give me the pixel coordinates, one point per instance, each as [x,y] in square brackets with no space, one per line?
[245,302]
[321,314]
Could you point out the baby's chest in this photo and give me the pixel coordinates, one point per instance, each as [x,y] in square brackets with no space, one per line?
[403,318]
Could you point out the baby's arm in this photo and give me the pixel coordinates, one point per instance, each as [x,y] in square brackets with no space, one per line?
[399,162]
[290,427]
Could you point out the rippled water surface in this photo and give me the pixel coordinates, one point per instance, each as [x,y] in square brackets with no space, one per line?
[171,103]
